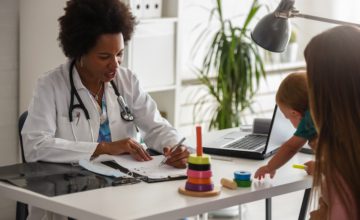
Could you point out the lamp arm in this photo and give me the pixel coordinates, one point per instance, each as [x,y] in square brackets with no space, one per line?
[316,18]
[295,13]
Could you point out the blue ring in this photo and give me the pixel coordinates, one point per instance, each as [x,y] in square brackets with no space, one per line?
[242,175]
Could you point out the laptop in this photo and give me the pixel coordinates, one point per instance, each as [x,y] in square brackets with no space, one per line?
[259,145]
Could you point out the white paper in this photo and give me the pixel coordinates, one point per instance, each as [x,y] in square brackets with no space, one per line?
[149,168]
[99,168]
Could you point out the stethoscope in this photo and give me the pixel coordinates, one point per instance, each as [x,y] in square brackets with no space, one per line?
[125,113]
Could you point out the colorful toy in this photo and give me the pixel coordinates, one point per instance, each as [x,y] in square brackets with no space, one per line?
[230,184]
[300,166]
[199,173]
[242,178]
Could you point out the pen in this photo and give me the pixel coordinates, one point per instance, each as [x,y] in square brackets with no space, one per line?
[78,118]
[171,150]
[299,166]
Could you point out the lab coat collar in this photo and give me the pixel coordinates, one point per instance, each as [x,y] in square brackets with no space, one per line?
[77,81]
[76,77]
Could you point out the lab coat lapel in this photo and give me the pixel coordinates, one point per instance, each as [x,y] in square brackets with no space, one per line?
[113,111]
[90,106]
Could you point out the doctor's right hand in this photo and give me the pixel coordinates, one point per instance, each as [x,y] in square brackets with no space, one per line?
[127,145]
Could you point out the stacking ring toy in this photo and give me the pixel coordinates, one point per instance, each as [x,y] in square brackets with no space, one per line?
[199,180]
[199,174]
[199,187]
[199,167]
[194,159]
[243,183]
[242,175]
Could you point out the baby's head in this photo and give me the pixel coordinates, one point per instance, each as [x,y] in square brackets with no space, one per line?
[292,97]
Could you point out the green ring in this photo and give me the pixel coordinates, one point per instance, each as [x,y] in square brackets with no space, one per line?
[243,183]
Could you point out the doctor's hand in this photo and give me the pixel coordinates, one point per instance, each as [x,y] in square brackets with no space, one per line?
[178,157]
[127,145]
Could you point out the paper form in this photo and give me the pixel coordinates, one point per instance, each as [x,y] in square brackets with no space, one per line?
[149,168]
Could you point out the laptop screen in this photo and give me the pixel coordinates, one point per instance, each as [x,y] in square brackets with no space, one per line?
[280,131]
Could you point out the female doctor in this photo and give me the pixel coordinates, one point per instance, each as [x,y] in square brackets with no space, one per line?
[90,105]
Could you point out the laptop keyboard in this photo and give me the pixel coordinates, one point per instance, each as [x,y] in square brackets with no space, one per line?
[248,142]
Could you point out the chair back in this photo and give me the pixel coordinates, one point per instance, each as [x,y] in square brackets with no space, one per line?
[21,208]
[21,122]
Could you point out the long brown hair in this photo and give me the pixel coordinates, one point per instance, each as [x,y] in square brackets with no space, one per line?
[333,68]
[293,92]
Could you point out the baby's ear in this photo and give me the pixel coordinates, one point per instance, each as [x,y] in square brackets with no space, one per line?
[296,113]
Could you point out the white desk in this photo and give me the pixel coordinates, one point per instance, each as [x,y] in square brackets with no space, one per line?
[161,200]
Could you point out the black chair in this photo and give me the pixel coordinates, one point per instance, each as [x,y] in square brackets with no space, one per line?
[21,122]
[21,208]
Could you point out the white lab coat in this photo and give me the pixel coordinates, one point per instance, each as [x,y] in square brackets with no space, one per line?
[47,133]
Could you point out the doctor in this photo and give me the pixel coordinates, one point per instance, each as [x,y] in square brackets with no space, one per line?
[90,105]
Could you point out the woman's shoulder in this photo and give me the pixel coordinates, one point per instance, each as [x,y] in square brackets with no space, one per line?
[125,75]
[56,75]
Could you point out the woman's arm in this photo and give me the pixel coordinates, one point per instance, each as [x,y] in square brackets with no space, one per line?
[158,134]
[156,131]
[48,108]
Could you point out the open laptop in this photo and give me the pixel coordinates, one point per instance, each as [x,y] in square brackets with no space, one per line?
[256,145]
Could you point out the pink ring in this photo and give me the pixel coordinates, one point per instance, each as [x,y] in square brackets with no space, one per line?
[199,174]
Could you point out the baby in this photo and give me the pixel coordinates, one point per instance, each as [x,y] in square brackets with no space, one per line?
[292,99]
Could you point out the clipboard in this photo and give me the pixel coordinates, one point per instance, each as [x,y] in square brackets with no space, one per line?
[147,179]
[148,171]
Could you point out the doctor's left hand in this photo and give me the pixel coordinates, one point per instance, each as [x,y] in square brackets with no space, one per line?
[178,157]
[127,145]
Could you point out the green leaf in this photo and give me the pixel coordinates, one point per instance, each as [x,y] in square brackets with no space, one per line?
[231,69]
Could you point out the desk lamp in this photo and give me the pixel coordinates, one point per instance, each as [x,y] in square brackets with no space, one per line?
[273,30]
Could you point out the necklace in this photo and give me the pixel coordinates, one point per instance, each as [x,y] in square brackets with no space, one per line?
[96,95]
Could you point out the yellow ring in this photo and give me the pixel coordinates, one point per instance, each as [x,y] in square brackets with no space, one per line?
[194,159]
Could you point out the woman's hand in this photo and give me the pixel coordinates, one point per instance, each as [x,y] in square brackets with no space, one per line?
[127,145]
[313,143]
[321,212]
[310,166]
[260,173]
[178,157]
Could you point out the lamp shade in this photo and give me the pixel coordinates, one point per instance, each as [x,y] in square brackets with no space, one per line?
[272,33]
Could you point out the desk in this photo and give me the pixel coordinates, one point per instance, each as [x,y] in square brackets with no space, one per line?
[161,200]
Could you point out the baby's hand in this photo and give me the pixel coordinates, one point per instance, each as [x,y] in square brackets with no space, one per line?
[310,166]
[260,173]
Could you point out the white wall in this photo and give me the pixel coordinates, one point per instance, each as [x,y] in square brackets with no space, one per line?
[9,65]
[44,55]
[195,13]
[8,93]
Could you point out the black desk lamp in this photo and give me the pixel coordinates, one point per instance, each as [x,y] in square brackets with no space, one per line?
[273,30]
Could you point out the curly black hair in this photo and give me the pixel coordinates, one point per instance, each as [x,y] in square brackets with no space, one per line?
[85,20]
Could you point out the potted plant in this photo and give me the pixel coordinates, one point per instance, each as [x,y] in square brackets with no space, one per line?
[230,71]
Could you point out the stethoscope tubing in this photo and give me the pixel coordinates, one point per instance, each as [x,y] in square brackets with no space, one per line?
[125,113]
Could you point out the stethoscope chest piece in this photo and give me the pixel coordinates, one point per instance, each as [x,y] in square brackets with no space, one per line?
[127,116]
[125,111]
